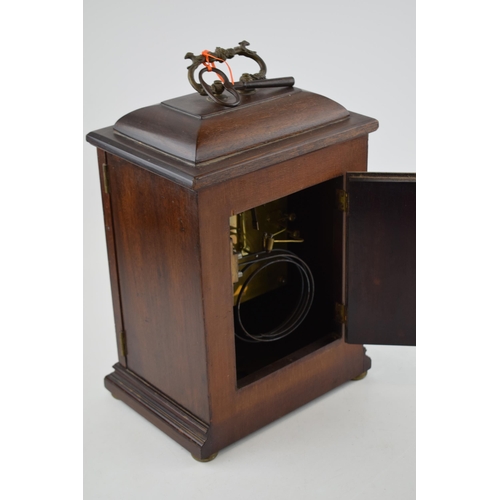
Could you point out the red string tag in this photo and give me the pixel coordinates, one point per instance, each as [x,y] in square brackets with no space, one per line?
[211,64]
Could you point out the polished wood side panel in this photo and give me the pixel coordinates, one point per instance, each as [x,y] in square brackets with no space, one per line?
[237,412]
[157,247]
[110,242]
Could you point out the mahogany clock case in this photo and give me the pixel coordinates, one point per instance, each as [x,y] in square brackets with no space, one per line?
[172,176]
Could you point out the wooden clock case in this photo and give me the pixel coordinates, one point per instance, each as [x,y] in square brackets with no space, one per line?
[172,175]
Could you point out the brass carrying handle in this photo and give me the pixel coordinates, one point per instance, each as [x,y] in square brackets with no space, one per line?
[220,54]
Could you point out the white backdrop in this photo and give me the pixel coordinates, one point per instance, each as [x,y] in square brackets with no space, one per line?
[357,441]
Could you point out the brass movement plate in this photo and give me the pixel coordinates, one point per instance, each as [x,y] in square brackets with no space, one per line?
[248,232]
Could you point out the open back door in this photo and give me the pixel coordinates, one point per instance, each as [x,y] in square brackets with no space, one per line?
[380,259]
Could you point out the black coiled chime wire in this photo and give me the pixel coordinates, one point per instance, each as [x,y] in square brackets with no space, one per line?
[260,262]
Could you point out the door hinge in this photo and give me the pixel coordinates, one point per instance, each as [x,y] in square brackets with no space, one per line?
[342,200]
[340,313]
[123,344]
[105,177]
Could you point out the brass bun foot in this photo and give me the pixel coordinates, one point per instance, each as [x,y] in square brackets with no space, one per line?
[361,376]
[208,459]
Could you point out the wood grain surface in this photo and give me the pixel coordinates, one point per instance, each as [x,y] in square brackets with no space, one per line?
[167,224]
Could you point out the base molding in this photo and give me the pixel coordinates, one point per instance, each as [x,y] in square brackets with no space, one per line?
[204,440]
[170,417]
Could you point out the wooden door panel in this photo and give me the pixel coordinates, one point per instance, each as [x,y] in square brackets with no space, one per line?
[380,259]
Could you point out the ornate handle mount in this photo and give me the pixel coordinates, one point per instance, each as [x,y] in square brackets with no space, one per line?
[223,54]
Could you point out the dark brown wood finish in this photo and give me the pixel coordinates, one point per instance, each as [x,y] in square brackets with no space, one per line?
[381,257]
[177,422]
[157,246]
[176,173]
[198,130]
[238,412]
[205,174]
[112,262]
[196,143]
